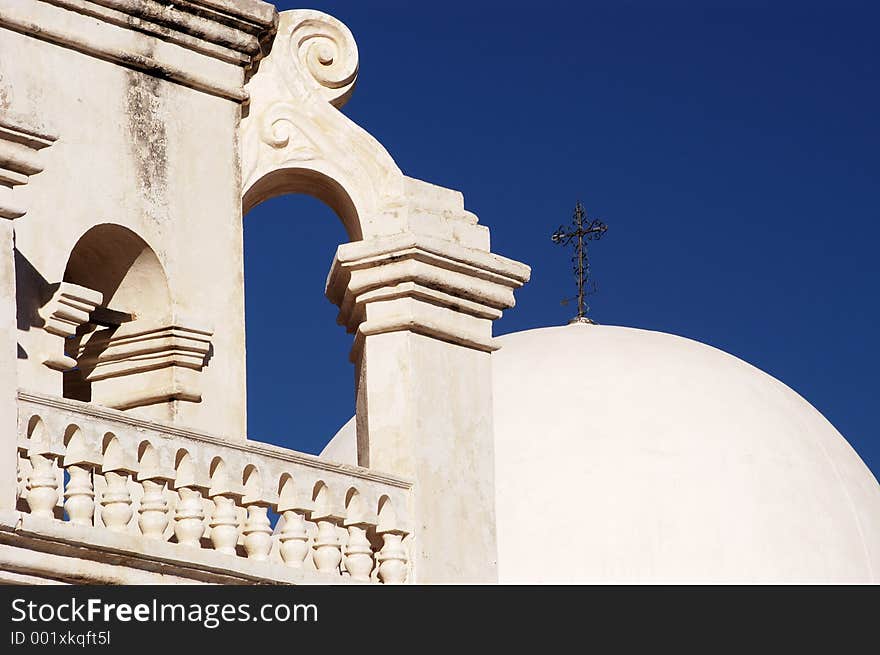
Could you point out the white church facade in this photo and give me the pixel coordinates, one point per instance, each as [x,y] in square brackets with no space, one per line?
[134,136]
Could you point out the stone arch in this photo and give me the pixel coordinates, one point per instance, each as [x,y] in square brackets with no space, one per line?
[355,507]
[387,517]
[36,430]
[322,499]
[74,443]
[114,455]
[310,182]
[218,474]
[148,457]
[185,472]
[252,481]
[286,486]
[294,139]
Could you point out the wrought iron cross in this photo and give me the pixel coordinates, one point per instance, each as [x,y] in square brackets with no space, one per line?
[579,232]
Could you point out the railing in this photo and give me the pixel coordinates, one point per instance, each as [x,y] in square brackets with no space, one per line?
[90,475]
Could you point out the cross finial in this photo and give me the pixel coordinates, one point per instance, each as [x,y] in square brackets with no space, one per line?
[581,230]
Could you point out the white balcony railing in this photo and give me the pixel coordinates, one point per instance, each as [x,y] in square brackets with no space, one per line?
[191,505]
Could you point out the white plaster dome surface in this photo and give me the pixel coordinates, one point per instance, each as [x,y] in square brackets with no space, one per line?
[625,455]
[629,455]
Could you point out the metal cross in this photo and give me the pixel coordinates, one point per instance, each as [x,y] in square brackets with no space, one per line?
[581,230]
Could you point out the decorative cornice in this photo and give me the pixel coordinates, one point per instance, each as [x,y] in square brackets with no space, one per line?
[207,26]
[425,285]
[69,307]
[134,366]
[156,36]
[109,355]
[20,143]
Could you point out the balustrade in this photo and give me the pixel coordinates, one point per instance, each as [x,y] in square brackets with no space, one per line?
[77,464]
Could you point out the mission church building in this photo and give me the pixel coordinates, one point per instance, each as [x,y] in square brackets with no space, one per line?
[134,136]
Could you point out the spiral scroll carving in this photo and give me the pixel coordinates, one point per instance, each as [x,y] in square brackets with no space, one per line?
[294,135]
[323,53]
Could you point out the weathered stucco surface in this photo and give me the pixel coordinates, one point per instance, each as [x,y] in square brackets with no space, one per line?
[149,155]
[129,296]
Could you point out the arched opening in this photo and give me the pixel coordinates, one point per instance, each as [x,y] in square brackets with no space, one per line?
[115,261]
[300,382]
[185,473]
[293,181]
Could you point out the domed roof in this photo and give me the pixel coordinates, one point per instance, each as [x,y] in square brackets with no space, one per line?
[629,455]
[626,455]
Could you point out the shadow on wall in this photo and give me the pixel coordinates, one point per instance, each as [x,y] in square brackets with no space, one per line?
[32,291]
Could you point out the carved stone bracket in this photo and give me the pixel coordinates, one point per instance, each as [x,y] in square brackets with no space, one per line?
[132,367]
[68,308]
[20,143]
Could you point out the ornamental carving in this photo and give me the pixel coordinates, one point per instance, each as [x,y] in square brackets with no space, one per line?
[295,139]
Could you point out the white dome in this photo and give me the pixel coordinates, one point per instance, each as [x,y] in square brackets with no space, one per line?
[343,446]
[629,455]
[626,455]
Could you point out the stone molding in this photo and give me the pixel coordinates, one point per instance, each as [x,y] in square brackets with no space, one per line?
[70,307]
[424,285]
[127,559]
[247,449]
[20,145]
[156,36]
[134,366]
[129,353]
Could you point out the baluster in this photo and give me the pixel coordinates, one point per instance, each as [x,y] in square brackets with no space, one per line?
[189,516]
[257,531]
[328,550]
[42,486]
[224,522]
[294,538]
[359,552]
[153,511]
[80,463]
[392,558]
[21,472]
[116,509]
[79,495]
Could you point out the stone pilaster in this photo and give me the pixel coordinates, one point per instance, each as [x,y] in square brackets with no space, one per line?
[421,309]
[20,144]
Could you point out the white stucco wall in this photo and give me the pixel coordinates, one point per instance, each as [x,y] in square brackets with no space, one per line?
[154,156]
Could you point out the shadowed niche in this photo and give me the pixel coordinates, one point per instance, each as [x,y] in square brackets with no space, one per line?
[117,262]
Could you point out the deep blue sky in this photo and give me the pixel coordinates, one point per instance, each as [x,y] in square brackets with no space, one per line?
[733,153]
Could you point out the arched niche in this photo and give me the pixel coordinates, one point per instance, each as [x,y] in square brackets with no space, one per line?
[133,352]
[117,262]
